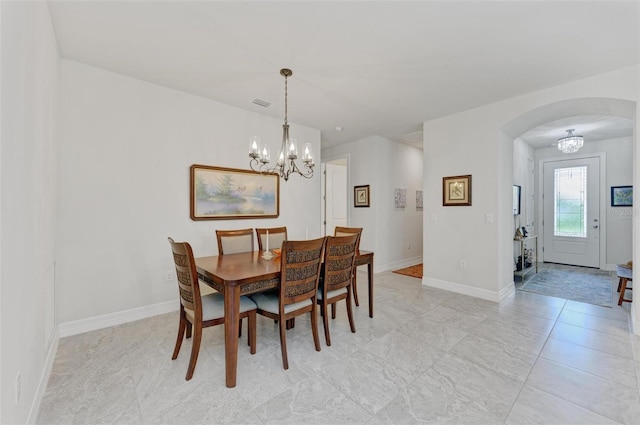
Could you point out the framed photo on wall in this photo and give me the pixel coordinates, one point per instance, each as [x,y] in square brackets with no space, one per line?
[400,198]
[361,196]
[419,199]
[621,196]
[456,191]
[218,193]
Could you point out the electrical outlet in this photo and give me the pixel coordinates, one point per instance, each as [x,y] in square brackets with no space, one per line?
[18,387]
[463,264]
[168,275]
[409,245]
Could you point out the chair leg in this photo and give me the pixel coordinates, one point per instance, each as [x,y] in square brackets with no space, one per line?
[619,284]
[283,343]
[188,329]
[623,288]
[325,323]
[240,328]
[354,284]
[252,332]
[350,311]
[181,327]
[333,310]
[195,349]
[314,326]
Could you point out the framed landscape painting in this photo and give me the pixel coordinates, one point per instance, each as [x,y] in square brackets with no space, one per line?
[218,193]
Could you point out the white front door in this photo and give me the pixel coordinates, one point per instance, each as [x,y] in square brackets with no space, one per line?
[571,199]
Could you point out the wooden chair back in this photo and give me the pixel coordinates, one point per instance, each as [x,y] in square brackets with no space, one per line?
[339,257]
[234,241]
[187,277]
[300,263]
[277,235]
[346,231]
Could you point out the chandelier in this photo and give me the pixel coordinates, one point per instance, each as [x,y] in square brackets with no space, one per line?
[286,163]
[570,143]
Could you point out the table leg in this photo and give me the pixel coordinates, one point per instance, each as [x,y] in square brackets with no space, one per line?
[370,273]
[231,329]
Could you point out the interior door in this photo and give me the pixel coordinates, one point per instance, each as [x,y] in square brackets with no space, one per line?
[571,205]
[335,197]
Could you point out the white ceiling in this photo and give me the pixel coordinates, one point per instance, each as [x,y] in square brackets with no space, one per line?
[372,68]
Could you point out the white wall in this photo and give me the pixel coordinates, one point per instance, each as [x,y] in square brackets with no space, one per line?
[523,176]
[619,172]
[474,142]
[394,234]
[29,72]
[125,151]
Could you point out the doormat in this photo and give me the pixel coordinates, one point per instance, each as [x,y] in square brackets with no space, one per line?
[413,271]
[592,287]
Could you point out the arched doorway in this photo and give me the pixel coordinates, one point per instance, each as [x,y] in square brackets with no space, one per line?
[600,119]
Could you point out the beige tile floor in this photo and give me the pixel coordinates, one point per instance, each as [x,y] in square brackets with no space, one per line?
[427,356]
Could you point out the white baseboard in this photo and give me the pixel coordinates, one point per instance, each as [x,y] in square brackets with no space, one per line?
[112,319]
[458,288]
[407,262]
[44,379]
[507,292]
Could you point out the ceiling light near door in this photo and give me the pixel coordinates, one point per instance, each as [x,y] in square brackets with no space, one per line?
[570,143]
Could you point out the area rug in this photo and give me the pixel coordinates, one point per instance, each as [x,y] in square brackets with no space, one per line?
[413,271]
[592,286]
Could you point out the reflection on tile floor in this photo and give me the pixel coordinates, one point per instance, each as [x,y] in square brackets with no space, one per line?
[427,356]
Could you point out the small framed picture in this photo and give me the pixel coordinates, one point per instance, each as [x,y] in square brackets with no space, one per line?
[400,198]
[621,196]
[456,191]
[361,196]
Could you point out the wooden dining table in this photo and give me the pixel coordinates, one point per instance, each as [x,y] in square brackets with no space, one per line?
[247,273]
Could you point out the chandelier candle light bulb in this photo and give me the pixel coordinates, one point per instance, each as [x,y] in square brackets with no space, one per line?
[253,149]
[293,149]
[307,158]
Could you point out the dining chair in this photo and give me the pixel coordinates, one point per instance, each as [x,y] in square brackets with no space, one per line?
[346,231]
[336,276]
[299,274]
[200,311]
[276,236]
[234,241]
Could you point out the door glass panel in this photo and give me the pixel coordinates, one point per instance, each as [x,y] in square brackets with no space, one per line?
[570,212]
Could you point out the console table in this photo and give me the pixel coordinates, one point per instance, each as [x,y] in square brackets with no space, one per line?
[524,244]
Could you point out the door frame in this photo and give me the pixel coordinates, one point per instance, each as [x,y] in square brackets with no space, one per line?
[602,261]
[346,159]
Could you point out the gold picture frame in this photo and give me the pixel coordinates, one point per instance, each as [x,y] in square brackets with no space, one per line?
[218,193]
[456,191]
[361,196]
